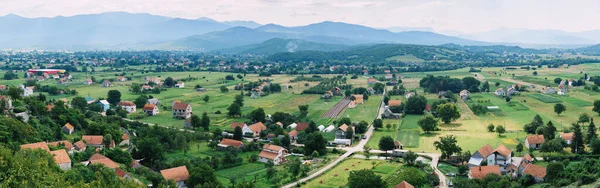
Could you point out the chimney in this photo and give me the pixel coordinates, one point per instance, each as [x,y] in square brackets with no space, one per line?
[479,168]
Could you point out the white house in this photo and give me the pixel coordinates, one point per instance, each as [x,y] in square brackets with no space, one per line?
[128,106]
[501,156]
[409,94]
[273,153]
[464,94]
[27,91]
[534,141]
[500,92]
[245,128]
[179,84]
[150,109]
[568,137]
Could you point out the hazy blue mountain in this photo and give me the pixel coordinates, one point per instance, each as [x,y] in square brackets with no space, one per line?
[402,29]
[512,35]
[236,36]
[277,45]
[363,34]
[248,24]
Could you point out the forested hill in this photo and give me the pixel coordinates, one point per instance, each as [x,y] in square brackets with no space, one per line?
[278,45]
[387,52]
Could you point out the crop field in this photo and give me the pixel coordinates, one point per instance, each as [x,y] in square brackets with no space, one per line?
[544,98]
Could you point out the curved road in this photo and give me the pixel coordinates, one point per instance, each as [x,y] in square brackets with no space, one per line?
[359,148]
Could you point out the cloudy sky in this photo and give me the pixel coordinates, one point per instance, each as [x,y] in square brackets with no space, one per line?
[441,15]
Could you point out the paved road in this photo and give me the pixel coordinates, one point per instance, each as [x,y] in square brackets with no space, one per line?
[349,151]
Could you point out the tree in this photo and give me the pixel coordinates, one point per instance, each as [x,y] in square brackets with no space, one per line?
[285,141]
[410,157]
[428,123]
[203,174]
[205,121]
[386,143]
[14,92]
[379,87]
[595,145]
[141,100]
[258,115]
[114,97]
[583,118]
[549,131]
[520,147]
[533,126]
[362,127]
[79,103]
[559,108]
[490,127]
[9,75]
[150,149]
[365,178]
[500,130]
[415,104]
[169,82]
[447,145]
[553,171]
[135,88]
[350,132]
[596,106]
[294,166]
[535,73]
[239,99]
[234,110]
[388,126]
[577,143]
[378,123]
[591,132]
[448,112]
[195,121]
[554,145]
[237,133]
[486,86]
[315,142]
[224,89]
[206,98]
[497,84]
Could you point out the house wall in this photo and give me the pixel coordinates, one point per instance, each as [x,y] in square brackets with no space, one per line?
[181,184]
[65,166]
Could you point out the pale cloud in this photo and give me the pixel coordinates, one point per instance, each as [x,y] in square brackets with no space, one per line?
[457,15]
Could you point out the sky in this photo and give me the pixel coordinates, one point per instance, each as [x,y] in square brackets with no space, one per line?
[460,16]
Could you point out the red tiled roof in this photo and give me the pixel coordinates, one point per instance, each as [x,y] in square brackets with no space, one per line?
[177,174]
[49,107]
[535,170]
[125,137]
[567,136]
[301,126]
[257,127]
[486,150]
[503,150]
[38,145]
[80,144]
[535,139]
[180,106]
[272,147]
[237,124]
[66,143]
[149,107]
[92,139]
[61,156]
[528,157]
[120,172]
[126,103]
[232,143]
[69,126]
[404,184]
[101,159]
[479,172]
[344,127]
[293,133]
[394,102]
[268,155]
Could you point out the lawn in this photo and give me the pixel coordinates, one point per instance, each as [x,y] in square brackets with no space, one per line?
[338,175]
[377,134]
[363,112]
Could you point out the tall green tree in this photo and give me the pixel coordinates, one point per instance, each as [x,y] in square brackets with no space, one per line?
[238,133]
[206,98]
[486,86]
[195,121]
[203,174]
[448,112]
[114,97]
[500,130]
[315,142]
[239,99]
[169,82]
[577,144]
[205,121]
[447,145]
[591,132]
[415,104]
[583,118]
[549,131]
[141,101]
[559,108]
[378,123]
[14,92]
[365,178]
[79,103]
[596,106]
[258,115]
[428,123]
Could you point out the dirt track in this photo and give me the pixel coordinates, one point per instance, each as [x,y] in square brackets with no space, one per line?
[337,109]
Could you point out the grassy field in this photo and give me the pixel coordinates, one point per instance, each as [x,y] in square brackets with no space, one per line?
[338,176]
[544,98]
[363,112]
[374,140]
[406,58]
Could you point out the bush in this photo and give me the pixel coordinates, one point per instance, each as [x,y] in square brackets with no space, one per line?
[218,112]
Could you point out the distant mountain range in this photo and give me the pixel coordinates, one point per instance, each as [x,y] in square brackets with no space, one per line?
[278,45]
[525,36]
[138,31]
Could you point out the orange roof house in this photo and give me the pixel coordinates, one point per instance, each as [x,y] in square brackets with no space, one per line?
[301,126]
[68,145]
[176,174]
[37,145]
[257,127]
[394,103]
[226,142]
[92,139]
[404,184]
[480,172]
[101,159]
